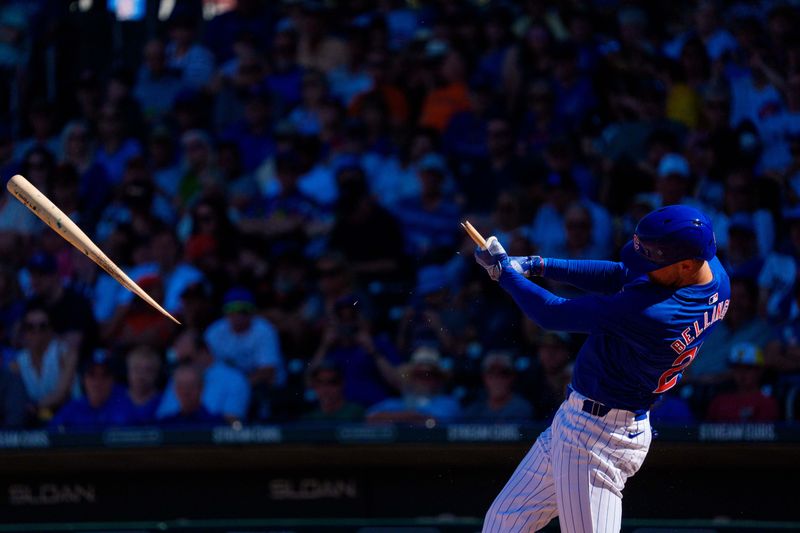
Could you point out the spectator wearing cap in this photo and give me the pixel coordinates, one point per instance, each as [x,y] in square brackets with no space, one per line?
[246,341]
[673,183]
[778,131]
[46,365]
[430,219]
[70,313]
[500,403]
[226,391]
[188,384]
[157,84]
[104,402]
[327,383]
[143,374]
[545,383]
[368,362]
[185,54]
[424,397]
[747,402]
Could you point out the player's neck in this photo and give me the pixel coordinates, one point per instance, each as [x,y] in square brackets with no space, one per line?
[701,276]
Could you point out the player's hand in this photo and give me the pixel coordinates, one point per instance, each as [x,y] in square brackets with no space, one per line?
[494,258]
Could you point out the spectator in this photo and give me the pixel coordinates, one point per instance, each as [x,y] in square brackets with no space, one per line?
[367,234]
[500,403]
[45,363]
[185,54]
[747,403]
[285,77]
[12,306]
[157,84]
[327,382]
[741,324]
[391,96]
[450,97]
[545,384]
[41,119]
[429,220]
[673,184]
[424,397]
[367,362]
[316,47]
[137,322]
[246,342]
[253,134]
[226,391]
[95,184]
[116,147]
[104,402]
[13,400]
[671,409]
[143,374]
[188,386]
[175,275]
[201,176]
[431,319]
[578,231]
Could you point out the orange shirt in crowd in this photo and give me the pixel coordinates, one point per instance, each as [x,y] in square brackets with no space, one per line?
[441,104]
[394,99]
[738,407]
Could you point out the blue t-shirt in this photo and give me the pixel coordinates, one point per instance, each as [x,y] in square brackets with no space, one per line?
[117,411]
[642,336]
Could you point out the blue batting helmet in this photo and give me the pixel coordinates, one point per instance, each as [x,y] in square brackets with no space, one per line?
[668,235]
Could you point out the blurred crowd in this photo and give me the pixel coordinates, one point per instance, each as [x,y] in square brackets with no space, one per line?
[288,179]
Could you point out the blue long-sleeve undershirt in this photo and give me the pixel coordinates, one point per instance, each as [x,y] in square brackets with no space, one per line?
[548,310]
[604,277]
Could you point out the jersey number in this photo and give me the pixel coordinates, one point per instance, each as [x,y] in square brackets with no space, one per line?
[670,378]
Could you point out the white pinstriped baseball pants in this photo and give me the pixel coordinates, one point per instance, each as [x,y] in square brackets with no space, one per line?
[576,470]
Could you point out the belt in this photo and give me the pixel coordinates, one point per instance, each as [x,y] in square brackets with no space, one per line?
[598,409]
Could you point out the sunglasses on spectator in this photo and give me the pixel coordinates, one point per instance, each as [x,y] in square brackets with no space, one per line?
[330,272]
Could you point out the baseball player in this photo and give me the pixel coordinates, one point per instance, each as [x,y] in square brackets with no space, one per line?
[646,320]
